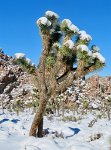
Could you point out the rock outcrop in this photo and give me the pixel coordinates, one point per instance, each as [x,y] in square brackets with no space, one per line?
[15,85]
[18,86]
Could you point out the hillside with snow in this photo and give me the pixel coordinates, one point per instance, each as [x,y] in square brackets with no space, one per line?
[80,119]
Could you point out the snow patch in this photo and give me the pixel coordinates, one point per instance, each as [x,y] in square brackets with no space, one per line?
[51,14]
[68,22]
[43,21]
[84,48]
[74,28]
[69,43]
[99,56]
[19,55]
[28,60]
[84,36]
[71,26]
[15,135]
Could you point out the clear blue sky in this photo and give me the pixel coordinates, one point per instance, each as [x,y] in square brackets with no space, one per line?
[19,33]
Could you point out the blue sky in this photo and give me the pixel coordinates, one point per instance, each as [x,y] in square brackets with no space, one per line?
[19,33]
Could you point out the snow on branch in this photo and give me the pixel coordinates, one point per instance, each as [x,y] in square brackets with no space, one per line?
[99,56]
[51,14]
[74,28]
[28,60]
[68,24]
[19,55]
[84,36]
[69,44]
[84,48]
[57,44]
[43,21]
[23,56]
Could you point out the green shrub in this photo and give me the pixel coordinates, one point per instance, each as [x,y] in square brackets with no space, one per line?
[85,104]
[50,61]
[65,51]
[25,65]
[69,118]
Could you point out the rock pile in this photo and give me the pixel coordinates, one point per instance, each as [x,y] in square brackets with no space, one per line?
[16,85]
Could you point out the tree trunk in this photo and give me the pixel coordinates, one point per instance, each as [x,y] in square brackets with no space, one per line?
[37,124]
[40,129]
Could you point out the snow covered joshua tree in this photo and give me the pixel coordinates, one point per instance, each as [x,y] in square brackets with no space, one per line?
[62,61]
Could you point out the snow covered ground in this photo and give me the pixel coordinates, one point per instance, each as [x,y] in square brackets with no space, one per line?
[76,135]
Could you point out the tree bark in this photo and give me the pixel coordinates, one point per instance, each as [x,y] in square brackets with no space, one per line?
[38,119]
[40,129]
[37,124]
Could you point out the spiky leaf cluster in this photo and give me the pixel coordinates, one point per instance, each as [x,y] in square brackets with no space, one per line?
[50,61]
[65,51]
[51,16]
[62,32]
[68,27]
[98,65]
[94,49]
[80,42]
[55,33]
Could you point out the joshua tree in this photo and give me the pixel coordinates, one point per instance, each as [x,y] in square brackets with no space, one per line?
[56,69]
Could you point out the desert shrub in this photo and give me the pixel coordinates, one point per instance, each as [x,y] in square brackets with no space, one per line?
[69,118]
[95,137]
[107,105]
[50,61]
[25,65]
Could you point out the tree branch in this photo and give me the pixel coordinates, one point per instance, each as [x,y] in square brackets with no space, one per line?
[68,81]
